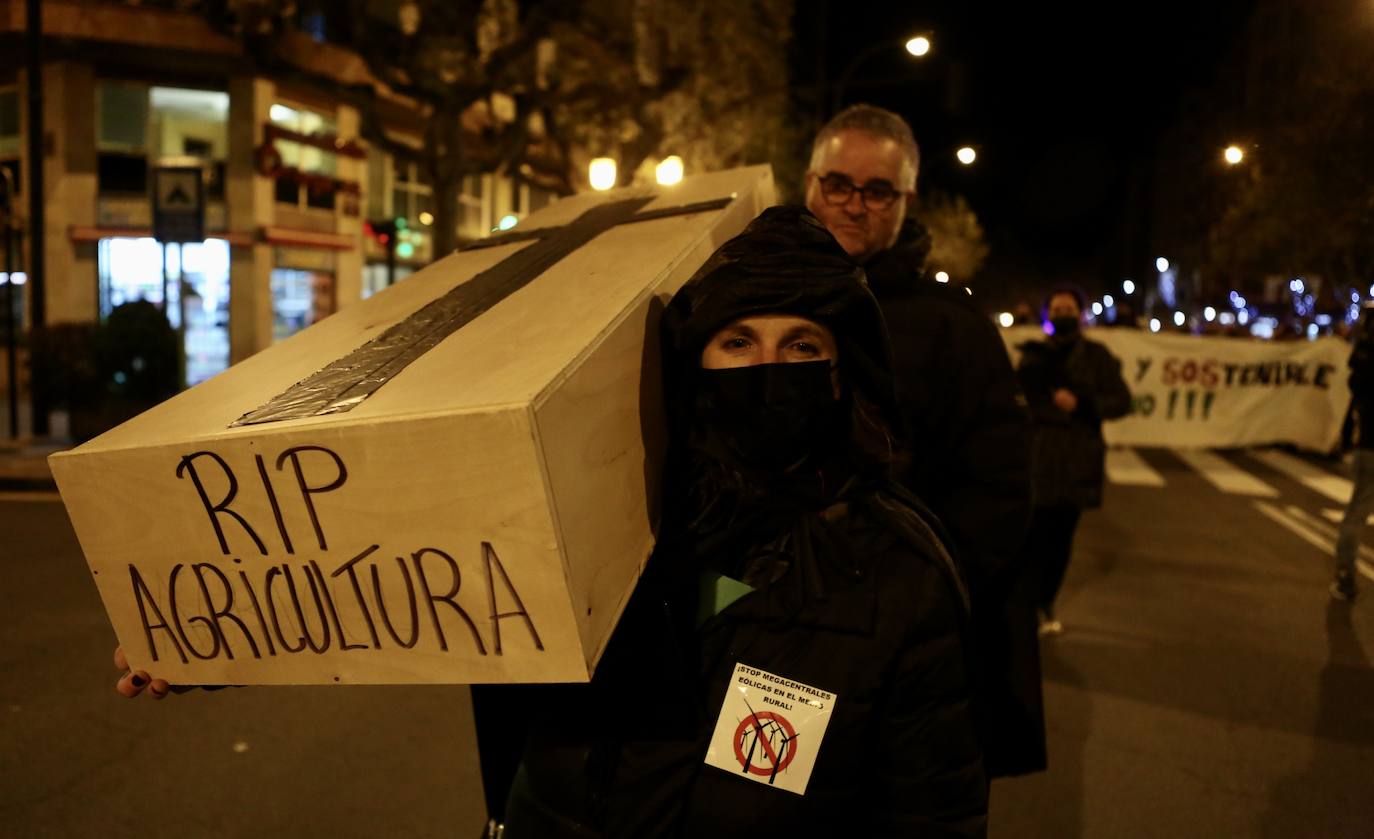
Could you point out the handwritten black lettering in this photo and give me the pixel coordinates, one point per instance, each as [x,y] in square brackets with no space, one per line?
[145,601]
[491,561]
[410,598]
[306,490]
[272,499]
[200,569]
[272,574]
[188,465]
[449,598]
[271,612]
[348,568]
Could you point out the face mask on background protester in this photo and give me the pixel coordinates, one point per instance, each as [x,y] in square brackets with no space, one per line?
[1065,327]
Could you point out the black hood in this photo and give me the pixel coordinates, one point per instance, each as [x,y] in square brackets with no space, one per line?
[786,262]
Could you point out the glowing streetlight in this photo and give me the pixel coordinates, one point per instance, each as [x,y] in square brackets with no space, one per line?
[1154,324]
[1128,286]
[1179,318]
[941,277]
[507,222]
[1233,155]
[601,173]
[426,217]
[918,46]
[669,172]
[1209,314]
[966,155]
[1108,301]
[1006,319]
[1097,308]
[1161,265]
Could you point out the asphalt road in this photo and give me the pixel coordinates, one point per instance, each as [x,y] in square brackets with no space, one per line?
[1205,686]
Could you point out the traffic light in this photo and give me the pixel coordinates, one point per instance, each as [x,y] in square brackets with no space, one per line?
[384,232]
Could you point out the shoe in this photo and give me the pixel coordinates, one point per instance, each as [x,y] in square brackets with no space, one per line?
[1343,587]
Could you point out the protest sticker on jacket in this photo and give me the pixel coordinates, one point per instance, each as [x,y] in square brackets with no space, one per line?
[1212,392]
[770,729]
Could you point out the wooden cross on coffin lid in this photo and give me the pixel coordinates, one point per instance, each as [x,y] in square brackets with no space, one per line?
[344,383]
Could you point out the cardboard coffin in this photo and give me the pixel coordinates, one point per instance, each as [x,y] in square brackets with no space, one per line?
[451,482]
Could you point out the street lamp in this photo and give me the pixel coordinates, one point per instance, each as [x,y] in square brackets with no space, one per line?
[941,277]
[917,46]
[1128,286]
[669,172]
[966,155]
[601,173]
[1161,265]
[1006,319]
[1233,155]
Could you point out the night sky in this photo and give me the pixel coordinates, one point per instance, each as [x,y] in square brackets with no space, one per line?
[1064,102]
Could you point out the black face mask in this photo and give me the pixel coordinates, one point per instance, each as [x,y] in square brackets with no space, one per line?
[772,417]
[1065,327]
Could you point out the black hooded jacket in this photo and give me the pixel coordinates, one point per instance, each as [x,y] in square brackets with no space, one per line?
[970,443]
[868,606]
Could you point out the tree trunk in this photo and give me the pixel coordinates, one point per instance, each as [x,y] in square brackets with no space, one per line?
[443,158]
[446,191]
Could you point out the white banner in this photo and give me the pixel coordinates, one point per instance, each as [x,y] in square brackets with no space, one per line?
[1208,392]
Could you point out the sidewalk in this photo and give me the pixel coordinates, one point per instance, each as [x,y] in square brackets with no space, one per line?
[24,457]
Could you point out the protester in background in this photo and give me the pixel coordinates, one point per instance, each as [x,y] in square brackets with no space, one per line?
[1073,385]
[786,548]
[1362,499]
[965,419]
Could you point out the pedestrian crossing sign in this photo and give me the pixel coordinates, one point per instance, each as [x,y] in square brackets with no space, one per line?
[178,204]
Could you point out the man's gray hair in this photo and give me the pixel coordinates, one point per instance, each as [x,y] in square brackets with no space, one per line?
[877,122]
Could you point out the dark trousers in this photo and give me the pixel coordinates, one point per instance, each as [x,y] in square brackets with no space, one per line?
[1049,544]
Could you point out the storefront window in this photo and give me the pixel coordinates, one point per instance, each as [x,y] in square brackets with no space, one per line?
[140,269]
[299,299]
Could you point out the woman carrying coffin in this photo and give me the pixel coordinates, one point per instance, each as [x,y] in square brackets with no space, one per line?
[794,658]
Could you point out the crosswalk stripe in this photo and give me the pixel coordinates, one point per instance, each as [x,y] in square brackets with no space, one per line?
[1127,468]
[1302,531]
[1224,475]
[1323,528]
[1336,488]
[1337,514]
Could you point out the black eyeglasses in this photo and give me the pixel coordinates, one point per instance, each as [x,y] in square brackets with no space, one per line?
[875,195]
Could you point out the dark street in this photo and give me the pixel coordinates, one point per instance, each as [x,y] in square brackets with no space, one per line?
[1205,685]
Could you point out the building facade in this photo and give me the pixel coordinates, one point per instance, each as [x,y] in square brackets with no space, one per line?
[291,190]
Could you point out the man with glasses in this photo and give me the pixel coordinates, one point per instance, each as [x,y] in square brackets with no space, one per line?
[968,431]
